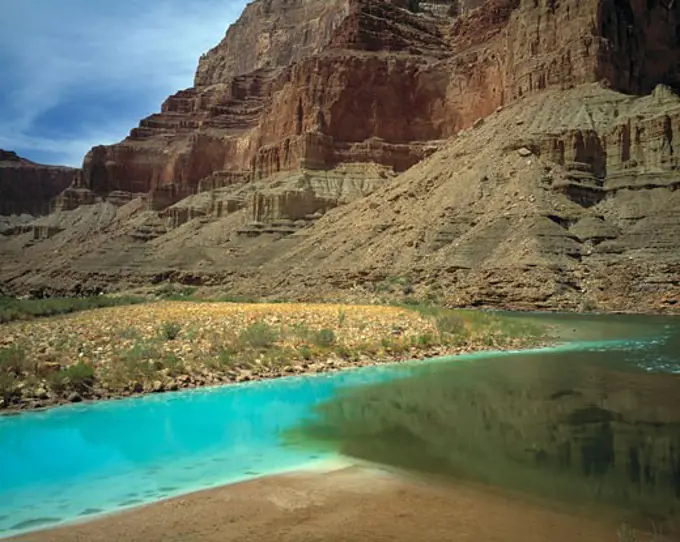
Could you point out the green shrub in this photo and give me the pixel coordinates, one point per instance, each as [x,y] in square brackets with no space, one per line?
[79,377]
[426,340]
[139,352]
[175,292]
[222,360]
[324,337]
[589,305]
[13,360]
[305,352]
[302,331]
[191,334]
[173,364]
[9,387]
[170,330]
[451,324]
[258,335]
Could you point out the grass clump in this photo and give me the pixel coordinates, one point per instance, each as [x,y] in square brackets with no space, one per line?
[175,292]
[324,338]
[79,377]
[139,352]
[394,284]
[9,388]
[173,365]
[223,359]
[450,323]
[13,360]
[170,330]
[305,352]
[258,335]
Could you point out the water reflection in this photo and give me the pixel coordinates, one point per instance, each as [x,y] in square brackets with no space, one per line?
[573,426]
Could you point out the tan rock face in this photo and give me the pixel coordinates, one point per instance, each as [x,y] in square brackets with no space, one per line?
[27,187]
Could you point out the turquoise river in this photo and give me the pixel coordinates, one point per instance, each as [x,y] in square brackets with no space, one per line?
[595,418]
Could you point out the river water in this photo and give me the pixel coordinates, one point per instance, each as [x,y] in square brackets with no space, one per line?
[594,426]
[595,420]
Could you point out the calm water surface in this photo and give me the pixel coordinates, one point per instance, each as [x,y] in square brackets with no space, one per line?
[598,419]
[594,426]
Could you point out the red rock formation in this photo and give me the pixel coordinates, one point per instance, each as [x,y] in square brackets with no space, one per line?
[309,105]
[27,187]
[309,83]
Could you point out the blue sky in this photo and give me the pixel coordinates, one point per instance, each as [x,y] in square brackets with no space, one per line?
[79,73]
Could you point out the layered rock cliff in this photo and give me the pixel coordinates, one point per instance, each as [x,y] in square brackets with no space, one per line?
[516,152]
[27,187]
[310,84]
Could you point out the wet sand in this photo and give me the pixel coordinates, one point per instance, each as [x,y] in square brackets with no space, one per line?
[352,503]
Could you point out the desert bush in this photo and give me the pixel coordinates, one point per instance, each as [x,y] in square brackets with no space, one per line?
[426,339]
[14,360]
[589,305]
[173,364]
[258,335]
[170,330]
[450,323]
[324,337]
[78,377]
[175,292]
[305,352]
[9,387]
[223,358]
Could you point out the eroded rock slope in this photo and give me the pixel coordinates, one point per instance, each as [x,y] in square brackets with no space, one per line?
[506,152]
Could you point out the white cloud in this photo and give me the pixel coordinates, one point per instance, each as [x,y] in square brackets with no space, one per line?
[54,52]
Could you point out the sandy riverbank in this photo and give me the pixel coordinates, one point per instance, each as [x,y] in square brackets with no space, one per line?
[352,503]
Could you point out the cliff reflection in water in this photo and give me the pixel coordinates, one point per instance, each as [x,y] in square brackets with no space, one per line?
[581,426]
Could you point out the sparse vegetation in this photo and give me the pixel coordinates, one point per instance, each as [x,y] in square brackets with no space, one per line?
[78,377]
[324,337]
[173,365]
[12,309]
[175,292]
[13,360]
[180,344]
[259,335]
[170,330]
[450,323]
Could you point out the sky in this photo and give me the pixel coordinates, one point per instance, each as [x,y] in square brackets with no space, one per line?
[79,73]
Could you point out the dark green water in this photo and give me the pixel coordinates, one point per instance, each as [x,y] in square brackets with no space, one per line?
[597,424]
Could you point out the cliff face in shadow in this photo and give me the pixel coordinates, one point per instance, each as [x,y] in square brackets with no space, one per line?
[27,187]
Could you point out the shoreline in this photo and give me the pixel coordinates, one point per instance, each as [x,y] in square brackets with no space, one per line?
[351,502]
[315,467]
[333,364]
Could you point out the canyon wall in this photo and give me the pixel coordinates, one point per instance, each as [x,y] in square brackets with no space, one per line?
[294,85]
[27,187]
[518,152]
